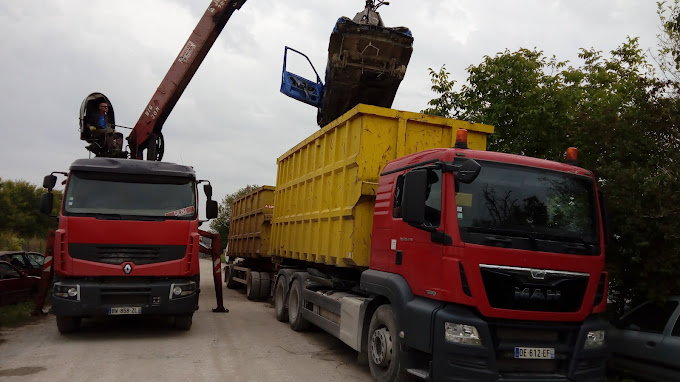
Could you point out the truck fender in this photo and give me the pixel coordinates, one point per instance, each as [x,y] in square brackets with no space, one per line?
[415,315]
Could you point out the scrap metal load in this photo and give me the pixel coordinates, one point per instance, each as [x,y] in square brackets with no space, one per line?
[366,63]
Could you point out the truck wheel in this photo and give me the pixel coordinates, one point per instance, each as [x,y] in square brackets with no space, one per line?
[68,324]
[253,284]
[229,277]
[184,321]
[383,347]
[265,285]
[280,299]
[295,319]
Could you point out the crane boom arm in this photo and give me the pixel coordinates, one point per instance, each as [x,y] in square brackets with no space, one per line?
[148,127]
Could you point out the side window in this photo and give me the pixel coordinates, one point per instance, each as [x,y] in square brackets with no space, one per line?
[398,194]
[18,261]
[35,259]
[651,318]
[433,204]
[676,329]
[7,272]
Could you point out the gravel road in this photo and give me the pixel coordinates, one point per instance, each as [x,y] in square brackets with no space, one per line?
[246,344]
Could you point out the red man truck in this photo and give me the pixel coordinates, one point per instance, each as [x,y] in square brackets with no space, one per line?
[444,264]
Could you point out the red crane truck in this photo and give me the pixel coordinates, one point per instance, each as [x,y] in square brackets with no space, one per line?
[444,264]
[128,237]
[128,241]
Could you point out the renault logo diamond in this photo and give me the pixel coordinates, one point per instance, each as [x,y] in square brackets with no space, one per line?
[127,268]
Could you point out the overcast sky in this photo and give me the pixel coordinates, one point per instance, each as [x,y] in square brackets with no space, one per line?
[231,122]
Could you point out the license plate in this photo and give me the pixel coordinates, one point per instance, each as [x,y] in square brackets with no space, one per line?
[534,353]
[125,310]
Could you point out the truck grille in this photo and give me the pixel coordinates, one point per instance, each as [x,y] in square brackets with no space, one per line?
[506,336]
[125,296]
[119,254]
[534,289]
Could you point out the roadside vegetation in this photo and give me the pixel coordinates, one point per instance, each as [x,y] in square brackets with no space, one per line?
[22,225]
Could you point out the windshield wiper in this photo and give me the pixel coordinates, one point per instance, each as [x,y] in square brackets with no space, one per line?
[504,232]
[108,216]
[578,242]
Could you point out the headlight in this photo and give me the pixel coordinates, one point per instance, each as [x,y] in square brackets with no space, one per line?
[71,292]
[594,339]
[461,334]
[182,290]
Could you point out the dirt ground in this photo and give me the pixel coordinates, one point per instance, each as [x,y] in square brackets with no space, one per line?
[246,344]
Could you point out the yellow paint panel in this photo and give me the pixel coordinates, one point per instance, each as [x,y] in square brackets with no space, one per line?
[326,185]
[250,225]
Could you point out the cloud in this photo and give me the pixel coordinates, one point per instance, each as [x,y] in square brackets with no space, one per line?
[231,122]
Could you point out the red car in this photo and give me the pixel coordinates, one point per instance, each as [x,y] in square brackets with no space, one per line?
[16,285]
[29,262]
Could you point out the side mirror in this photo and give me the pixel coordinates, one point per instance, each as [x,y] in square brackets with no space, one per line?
[207,188]
[211,209]
[468,171]
[413,202]
[49,181]
[47,200]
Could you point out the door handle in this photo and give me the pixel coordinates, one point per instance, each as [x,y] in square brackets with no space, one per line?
[651,344]
[398,258]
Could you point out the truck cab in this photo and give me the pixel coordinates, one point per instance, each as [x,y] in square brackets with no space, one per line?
[499,258]
[127,241]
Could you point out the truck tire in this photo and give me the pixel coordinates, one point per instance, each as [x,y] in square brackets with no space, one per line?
[384,359]
[68,324]
[229,277]
[280,298]
[295,319]
[265,285]
[253,285]
[184,321]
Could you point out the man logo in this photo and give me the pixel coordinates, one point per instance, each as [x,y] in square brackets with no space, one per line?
[537,294]
[538,274]
[127,268]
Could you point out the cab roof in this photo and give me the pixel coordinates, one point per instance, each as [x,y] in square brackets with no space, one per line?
[448,154]
[132,166]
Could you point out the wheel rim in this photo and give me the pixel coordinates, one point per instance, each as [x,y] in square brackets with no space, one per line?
[381,347]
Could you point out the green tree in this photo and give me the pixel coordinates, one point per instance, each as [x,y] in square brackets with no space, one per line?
[10,241]
[20,204]
[668,56]
[221,223]
[446,102]
[624,123]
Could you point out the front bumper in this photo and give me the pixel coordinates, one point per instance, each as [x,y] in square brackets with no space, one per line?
[494,359]
[95,298]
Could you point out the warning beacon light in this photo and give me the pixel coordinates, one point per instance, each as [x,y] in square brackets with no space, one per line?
[572,156]
[461,139]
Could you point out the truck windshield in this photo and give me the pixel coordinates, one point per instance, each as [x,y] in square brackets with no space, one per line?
[529,208]
[130,196]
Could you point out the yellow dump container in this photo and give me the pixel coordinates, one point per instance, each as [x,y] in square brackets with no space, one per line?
[250,227]
[326,185]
